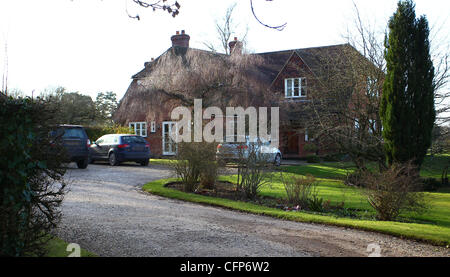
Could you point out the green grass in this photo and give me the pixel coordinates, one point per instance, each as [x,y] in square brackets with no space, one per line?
[160,161]
[57,248]
[433,226]
[431,168]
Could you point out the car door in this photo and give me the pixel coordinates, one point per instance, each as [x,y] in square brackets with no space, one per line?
[97,147]
[267,150]
[105,145]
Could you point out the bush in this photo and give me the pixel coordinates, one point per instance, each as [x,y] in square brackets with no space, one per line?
[95,132]
[313,159]
[333,158]
[354,179]
[310,147]
[315,203]
[253,171]
[31,177]
[195,164]
[208,175]
[393,191]
[299,189]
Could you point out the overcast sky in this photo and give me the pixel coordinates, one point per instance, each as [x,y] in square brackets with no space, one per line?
[92,45]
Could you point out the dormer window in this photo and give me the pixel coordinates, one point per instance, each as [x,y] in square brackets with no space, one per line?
[295,87]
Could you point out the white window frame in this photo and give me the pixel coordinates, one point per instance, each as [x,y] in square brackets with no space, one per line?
[153,127]
[140,128]
[171,124]
[372,122]
[288,81]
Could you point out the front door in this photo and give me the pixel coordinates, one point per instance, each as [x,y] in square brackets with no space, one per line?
[168,145]
[292,143]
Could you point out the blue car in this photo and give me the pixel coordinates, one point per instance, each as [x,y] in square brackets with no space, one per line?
[118,148]
[75,141]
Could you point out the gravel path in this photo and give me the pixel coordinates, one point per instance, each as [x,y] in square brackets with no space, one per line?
[107,213]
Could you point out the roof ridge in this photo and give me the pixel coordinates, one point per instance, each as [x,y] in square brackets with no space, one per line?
[298,49]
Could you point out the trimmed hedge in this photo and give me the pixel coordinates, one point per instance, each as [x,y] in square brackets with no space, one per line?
[31,176]
[95,132]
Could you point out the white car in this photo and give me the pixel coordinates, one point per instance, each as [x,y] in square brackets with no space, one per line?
[234,151]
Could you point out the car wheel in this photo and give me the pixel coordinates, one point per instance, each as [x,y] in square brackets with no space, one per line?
[83,163]
[113,160]
[277,161]
[144,162]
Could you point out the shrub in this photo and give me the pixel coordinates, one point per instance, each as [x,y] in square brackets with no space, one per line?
[31,176]
[333,157]
[195,163]
[253,171]
[394,191]
[315,203]
[310,147]
[313,159]
[299,189]
[354,179]
[95,132]
[208,175]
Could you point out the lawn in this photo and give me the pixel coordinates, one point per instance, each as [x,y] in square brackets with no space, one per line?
[433,226]
[161,161]
[58,248]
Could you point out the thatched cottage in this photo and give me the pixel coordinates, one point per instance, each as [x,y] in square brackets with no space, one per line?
[182,73]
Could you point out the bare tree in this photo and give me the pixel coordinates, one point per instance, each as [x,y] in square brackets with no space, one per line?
[440,52]
[344,93]
[226,28]
[370,42]
[344,108]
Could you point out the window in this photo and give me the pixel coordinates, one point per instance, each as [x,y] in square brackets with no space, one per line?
[153,127]
[356,124]
[306,135]
[372,89]
[295,87]
[140,128]
[372,125]
[73,133]
[129,139]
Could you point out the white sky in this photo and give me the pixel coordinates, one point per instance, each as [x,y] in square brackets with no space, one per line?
[92,45]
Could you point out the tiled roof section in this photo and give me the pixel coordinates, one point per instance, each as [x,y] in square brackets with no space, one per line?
[275,61]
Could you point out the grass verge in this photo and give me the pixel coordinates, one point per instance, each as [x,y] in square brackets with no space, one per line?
[58,248]
[435,234]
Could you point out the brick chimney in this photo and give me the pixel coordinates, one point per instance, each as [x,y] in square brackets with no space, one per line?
[235,45]
[180,40]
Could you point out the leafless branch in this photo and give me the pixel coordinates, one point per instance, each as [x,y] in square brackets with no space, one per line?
[278,28]
[172,8]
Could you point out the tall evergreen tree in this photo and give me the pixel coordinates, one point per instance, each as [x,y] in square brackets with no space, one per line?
[407,106]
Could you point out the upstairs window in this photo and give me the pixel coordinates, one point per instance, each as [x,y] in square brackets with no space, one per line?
[140,128]
[295,87]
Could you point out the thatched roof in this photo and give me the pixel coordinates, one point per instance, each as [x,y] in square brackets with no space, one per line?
[140,100]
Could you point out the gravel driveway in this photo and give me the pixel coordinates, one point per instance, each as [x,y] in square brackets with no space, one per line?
[107,213]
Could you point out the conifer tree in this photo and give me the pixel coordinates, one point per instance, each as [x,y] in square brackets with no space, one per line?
[407,106]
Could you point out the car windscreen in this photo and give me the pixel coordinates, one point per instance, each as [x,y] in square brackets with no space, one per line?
[133,139]
[73,133]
